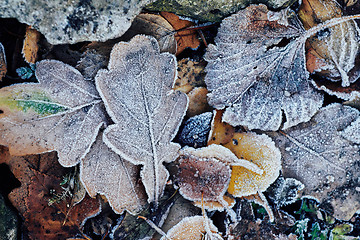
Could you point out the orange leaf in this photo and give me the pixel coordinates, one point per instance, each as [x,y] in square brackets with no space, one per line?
[3,68]
[185,37]
[30,47]
[221,132]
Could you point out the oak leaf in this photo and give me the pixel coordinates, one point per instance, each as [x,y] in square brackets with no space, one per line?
[257,79]
[103,171]
[62,112]
[324,158]
[137,92]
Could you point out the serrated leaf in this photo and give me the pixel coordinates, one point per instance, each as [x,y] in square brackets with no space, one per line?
[147,113]
[62,112]
[317,154]
[257,79]
[105,172]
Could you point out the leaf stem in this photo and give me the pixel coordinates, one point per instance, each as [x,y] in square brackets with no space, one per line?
[329,23]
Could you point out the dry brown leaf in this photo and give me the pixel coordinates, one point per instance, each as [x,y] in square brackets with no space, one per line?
[156,26]
[137,92]
[185,36]
[190,75]
[336,48]
[3,67]
[324,155]
[30,46]
[221,132]
[203,178]
[197,102]
[39,176]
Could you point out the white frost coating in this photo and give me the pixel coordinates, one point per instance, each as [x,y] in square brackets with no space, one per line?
[254,78]
[137,94]
[69,132]
[223,154]
[103,171]
[194,228]
[314,151]
[352,132]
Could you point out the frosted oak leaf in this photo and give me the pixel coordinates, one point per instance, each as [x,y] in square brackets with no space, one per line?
[62,112]
[136,90]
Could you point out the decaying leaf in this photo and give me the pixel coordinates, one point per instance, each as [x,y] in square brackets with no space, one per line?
[318,154]
[195,228]
[40,176]
[206,178]
[204,174]
[62,112]
[257,79]
[190,75]
[3,67]
[194,132]
[259,150]
[147,113]
[105,172]
[156,26]
[335,49]
[185,36]
[221,132]
[198,102]
[30,46]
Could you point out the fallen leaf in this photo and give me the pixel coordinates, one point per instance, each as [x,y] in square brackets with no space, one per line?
[156,26]
[259,150]
[327,163]
[137,94]
[284,191]
[185,36]
[58,220]
[3,67]
[105,172]
[226,203]
[62,112]
[197,102]
[336,48]
[190,75]
[195,228]
[221,132]
[204,174]
[30,46]
[254,76]
[39,176]
[203,178]
[194,132]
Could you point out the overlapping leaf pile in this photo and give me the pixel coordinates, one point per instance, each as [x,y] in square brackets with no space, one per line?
[119,123]
[64,112]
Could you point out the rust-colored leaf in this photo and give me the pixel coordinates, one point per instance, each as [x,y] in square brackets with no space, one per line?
[185,36]
[197,102]
[40,175]
[30,46]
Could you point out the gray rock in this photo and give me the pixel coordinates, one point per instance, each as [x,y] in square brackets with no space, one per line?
[76,20]
[211,10]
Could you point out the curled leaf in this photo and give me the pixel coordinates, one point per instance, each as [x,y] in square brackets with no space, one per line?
[259,150]
[30,46]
